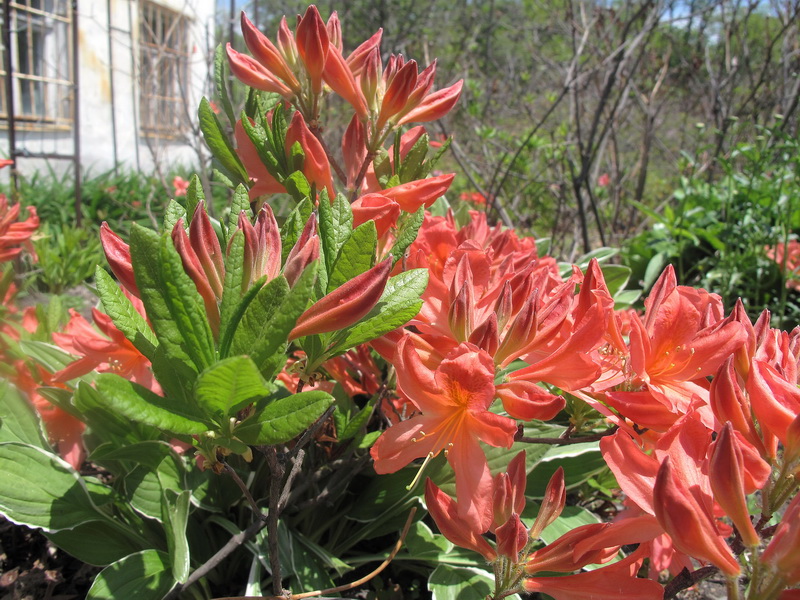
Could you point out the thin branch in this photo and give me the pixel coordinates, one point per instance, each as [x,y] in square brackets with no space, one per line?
[341,588]
[276,475]
[566,441]
[245,490]
[685,580]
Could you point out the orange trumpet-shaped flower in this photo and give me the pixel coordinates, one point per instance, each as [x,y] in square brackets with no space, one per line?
[454,400]
[727,482]
[445,513]
[345,305]
[691,528]
[13,233]
[783,551]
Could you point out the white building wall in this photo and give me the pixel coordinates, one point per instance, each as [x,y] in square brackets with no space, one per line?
[104,67]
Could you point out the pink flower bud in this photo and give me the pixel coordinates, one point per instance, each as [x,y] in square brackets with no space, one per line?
[205,243]
[118,255]
[303,253]
[783,551]
[727,482]
[316,167]
[555,497]
[377,208]
[341,80]
[194,268]
[434,106]
[397,92]
[345,305]
[358,58]
[422,192]
[312,45]
[512,537]
[252,73]
[267,54]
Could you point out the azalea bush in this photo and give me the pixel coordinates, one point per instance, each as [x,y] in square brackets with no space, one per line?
[340,386]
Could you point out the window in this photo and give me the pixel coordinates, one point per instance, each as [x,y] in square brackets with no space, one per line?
[41,49]
[164,70]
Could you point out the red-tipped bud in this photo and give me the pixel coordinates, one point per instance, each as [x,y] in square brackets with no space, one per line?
[358,58]
[334,29]
[397,92]
[444,511]
[205,243]
[304,252]
[118,255]
[312,45]
[727,483]
[316,167]
[460,314]
[345,305]
[791,450]
[269,243]
[504,307]
[730,404]
[512,537]
[193,267]
[434,106]
[267,54]
[688,524]
[509,490]
[560,556]
[252,73]
[286,43]
[521,332]
[783,551]
[371,79]
[486,336]
[341,80]
[354,150]
[555,497]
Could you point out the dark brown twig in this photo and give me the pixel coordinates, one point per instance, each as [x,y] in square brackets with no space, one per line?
[566,441]
[685,580]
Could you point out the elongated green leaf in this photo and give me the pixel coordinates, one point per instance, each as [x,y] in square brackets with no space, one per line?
[219,144]
[284,418]
[259,136]
[186,307]
[172,215]
[411,165]
[254,324]
[141,405]
[238,314]
[232,290]
[221,84]
[297,185]
[407,233]
[356,256]
[460,583]
[106,423]
[126,318]
[98,543]
[283,321]
[357,422]
[399,303]
[175,515]
[240,203]
[194,196]
[18,421]
[228,386]
[616,277]
[149,453]
[38,489]
[144,575]
[145,486]
[145,256]
[335,226]
[49,356]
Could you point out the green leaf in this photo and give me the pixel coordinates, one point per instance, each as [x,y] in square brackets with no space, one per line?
[297,185]
[39,489]
[460,583]
[143,406]
[284,418]
[98,543]
[411,165]
[104,420]
[399,303]
[49,356]
[18,421]
[423,544]
[580,462]
[145,486]
[407,233]
[616,277]
[186,307]
[145,256]
[149,453]
[240,202]
[284,319]
[175,515]
[358,421]
[229,386]
[335,226]
[254,324]
[220,83]
[259,136]
[356,256]
[219,144]
[173,213]
[144,575]
[195,194]
[231,301]
[125,317]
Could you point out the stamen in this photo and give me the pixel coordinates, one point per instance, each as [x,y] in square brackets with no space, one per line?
[418,476]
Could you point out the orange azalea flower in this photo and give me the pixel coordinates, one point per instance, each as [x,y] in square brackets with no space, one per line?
[454,400]
[13,233]
[104,351]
